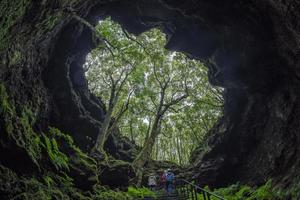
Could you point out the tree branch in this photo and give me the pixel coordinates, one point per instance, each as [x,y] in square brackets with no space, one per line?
[173,102]
[106,43]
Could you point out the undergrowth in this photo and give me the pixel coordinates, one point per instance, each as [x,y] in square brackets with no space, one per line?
[55,144]
[244,192]
[53,186]
[140,192]
[59,159]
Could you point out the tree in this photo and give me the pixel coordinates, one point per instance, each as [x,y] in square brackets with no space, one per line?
[170,83]
[165,102]
[108,69]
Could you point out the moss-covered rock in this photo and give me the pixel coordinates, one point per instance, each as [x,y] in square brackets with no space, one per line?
[9,183]
[12,12]
[64,154]
[116,173]
[18,128]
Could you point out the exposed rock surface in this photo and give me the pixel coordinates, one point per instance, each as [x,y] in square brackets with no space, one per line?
[251,48]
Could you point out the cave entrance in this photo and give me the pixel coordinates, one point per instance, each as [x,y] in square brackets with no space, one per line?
[161,100]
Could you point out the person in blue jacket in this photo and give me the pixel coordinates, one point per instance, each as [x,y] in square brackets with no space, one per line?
[170,178]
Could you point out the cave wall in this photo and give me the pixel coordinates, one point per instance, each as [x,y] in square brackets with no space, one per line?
[251,49]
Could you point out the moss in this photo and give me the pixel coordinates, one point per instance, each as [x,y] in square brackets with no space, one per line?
[49,23]
[77,157]
[58,186]
[12,12]
[19,128]
[5,107]
[8,181]
[53,146]
[63,3]
[6,110]
[25,136]
[58,145]
[50,186]
[16,58]
[34,189]
[292,192]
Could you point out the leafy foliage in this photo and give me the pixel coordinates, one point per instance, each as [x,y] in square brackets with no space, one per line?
[140,192]
[147,66]
[59,159]
[59,145]
[243,192]
[18,127]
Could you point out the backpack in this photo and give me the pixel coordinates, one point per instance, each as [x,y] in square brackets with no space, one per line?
[170,176]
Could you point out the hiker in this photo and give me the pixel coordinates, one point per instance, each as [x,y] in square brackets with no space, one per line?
[162,179]
[170,178]
[152,182]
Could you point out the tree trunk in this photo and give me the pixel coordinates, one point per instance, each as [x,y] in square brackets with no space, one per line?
[101,138]
[145,154]
[178,149]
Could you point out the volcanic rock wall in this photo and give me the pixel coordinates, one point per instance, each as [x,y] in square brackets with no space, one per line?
[250,47]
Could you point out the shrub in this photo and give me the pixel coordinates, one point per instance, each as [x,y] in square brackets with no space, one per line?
[140,192]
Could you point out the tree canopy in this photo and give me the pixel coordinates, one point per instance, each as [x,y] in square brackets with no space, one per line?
[152,92]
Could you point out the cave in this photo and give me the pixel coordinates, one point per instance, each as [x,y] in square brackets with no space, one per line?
[250,48]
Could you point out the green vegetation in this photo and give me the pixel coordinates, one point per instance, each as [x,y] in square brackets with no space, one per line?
[53,186]
[25,136]
[12,15]
[140,192]
[102,193]
[19,129]
[5,106]
[42,149]
[50,21]
[16,58]
[160,99]
[59,159]
[76,160]
[12,11]
[243,192]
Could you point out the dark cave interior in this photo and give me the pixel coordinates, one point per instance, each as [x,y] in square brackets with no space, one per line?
[251,49]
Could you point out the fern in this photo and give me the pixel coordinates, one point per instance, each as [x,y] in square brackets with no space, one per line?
[57,158]
[242,192]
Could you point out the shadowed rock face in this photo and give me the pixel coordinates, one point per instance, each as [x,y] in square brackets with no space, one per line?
[251,49]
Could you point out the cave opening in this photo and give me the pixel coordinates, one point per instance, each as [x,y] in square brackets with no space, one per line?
[234,51]
[141,83]
[233,54]
[250,48]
